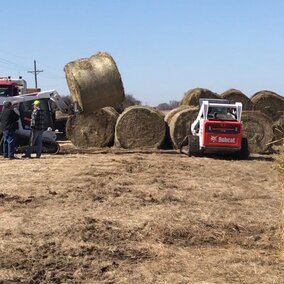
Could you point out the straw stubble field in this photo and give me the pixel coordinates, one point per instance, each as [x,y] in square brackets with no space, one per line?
[113,216]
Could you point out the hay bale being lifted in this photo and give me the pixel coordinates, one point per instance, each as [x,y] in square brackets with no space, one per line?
[191,97]
[92,129]
[257,128]
[94,82]
[269,103]
[180,125]
[140,127]
[233,96]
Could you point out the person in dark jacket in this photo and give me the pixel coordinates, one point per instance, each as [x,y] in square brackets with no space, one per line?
[9,123]
[37,128]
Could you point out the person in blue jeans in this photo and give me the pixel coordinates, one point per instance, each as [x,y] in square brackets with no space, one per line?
[37,128]
[9,124]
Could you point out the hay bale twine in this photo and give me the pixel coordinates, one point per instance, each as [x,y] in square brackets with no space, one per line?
[269,103]
[257,127]
[278,130]
[92,129]
[191,97]
[140,127]
[180,125]
[234,95]
[94,82]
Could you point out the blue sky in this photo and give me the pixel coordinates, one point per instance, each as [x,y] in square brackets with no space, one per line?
[162,48]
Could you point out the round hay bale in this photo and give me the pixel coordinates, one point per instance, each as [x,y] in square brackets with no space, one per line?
[278,130]
[257,128]
[180,125]
[168,141]
[172,112]
[140,127]
[234,95]
[191,97]
[94,82]
[92,129]
[269,103]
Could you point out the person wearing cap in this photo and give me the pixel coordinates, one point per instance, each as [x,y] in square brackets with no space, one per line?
[37,128]
[9,124]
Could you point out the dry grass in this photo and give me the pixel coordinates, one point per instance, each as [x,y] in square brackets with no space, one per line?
[281,173]
[149,217]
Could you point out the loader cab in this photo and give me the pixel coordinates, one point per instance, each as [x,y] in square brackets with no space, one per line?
[218,112]
[222,113]
[26,109]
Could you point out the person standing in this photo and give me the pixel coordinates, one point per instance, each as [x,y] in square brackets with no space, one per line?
[37,129]
[9,124]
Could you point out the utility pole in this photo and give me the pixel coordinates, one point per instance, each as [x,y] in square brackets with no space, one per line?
[35,72]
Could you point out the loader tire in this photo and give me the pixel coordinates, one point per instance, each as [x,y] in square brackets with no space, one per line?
[50,147]
[243,154]
[193,146]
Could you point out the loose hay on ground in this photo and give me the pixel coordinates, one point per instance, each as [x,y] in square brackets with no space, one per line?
[280,160]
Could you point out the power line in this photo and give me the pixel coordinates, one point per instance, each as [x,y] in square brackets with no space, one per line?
[35,72]
[8,62]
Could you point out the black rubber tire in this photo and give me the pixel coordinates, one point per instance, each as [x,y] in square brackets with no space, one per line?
[193,146]
[244,153]
[50,147]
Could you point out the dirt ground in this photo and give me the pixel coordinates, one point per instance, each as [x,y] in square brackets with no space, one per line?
[112,216]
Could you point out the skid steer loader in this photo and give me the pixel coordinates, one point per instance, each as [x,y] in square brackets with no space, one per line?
[15,91]
[218,129]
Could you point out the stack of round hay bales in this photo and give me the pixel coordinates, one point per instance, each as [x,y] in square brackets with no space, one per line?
[257,128]
[180,123]
[94,82]
[92,129]
[140,127]
[234,95]
[191,97]
[172,112]
[269,103]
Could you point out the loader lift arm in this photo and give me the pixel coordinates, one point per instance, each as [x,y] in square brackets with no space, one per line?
[62,105]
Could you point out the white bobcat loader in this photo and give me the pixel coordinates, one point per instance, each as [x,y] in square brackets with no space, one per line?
[217,129]
[14,91]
